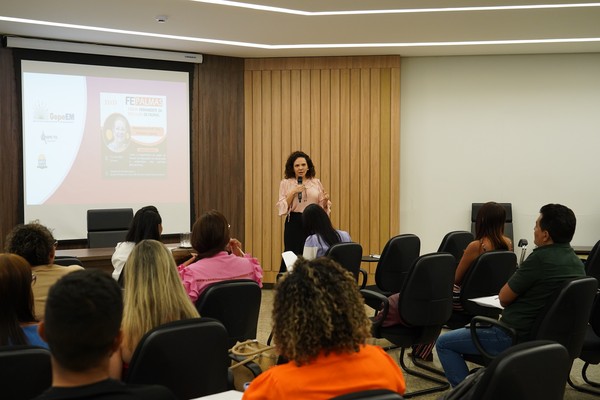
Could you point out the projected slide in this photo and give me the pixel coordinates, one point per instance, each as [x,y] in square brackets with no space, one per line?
[104,137]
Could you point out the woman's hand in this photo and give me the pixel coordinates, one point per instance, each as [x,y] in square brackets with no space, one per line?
[235,247]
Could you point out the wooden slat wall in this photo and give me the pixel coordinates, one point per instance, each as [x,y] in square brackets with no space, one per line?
[343,112]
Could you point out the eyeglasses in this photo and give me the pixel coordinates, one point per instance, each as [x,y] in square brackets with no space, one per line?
[55,243]
[33,279]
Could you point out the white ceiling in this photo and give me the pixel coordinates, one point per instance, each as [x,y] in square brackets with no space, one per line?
[201,27]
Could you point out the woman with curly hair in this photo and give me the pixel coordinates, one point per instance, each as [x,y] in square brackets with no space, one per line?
[320,325]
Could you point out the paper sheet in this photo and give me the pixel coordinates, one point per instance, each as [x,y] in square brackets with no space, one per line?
[488,301]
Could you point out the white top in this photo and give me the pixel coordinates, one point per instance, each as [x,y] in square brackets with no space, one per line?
[119,257]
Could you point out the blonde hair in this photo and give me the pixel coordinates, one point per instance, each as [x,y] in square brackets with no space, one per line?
[154,294]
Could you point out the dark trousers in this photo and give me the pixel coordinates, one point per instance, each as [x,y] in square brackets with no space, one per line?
[293,236]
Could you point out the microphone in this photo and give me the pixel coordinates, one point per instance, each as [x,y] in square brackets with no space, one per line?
[300,193]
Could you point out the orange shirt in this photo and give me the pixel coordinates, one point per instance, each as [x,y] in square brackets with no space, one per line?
[329,376]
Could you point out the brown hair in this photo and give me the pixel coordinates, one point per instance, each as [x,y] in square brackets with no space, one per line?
[289,165]
[490,223]
[16,298]
[318,308]
[210,234]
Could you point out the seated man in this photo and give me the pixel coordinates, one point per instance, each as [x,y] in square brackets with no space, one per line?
[524,295]
[35,243]
[82,328]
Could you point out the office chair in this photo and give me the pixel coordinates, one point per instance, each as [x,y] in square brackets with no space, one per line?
[489,272]
[532,370]
[455,243]
[349,256]
[187,356]
[107,227]
[66,261]
[564,319]
[590,350]
[397,257]
[25,371]
[592,263]
[425,304]
[374,394]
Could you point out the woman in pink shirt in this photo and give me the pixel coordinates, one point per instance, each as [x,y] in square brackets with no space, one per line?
[297,191]
[219,258]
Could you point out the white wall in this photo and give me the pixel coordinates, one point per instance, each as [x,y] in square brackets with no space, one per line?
[523,129]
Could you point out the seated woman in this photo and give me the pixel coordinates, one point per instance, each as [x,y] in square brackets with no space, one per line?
[18,325]
[146,224]
[153,296]
[323,332]
[321,233]
[489,235]
[220,258]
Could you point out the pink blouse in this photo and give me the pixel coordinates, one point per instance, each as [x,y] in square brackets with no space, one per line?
[222,266]
[314,193]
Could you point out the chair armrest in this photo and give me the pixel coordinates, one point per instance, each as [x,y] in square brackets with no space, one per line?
[383,308]
[364,275]
[485,322]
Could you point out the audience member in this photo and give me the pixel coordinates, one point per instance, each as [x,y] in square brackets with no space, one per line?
[524,295]
[146,224]
[18,325]
[320,325]
[220,258]
[321,233]
[35,243]
[154,296]
[83,316]
[489,235]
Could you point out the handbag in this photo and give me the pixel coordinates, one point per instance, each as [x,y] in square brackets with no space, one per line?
[255,356]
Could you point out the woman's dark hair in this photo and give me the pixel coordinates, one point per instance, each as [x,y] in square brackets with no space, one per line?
[16,298]
[210,234]
[289,165]
[318,309]
[559,221]
[490,223]
[316,222]
[144,225]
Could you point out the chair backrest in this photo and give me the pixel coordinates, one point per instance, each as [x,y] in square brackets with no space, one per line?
[488,274]
[348,255]
[107,227]
[236,304]
[455,243]
[397,257]
[530,370]
[565,318]
[426,296]
[66,261]
[190,357]
[592,264]
[373,394]
[25,371]
[508,224]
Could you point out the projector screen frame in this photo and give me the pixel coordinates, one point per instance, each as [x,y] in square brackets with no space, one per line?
[98,60]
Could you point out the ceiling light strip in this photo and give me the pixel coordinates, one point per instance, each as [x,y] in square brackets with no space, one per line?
[261,7]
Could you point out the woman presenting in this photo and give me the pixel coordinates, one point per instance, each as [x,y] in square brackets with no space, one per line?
[297,191]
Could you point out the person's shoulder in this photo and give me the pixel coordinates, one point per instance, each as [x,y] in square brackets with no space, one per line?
[151,392]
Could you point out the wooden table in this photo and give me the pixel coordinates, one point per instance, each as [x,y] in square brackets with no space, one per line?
[100,257]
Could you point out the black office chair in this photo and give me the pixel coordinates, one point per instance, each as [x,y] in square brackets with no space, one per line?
[532,370]
[397,257]
[592,263]
[564,319]
[187,356]
[349,256]
[488,274]
[236,304]
[107,227]
[455,243]
[374,394]
[590,351]
[25,371]
[66,261]
[425,304]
